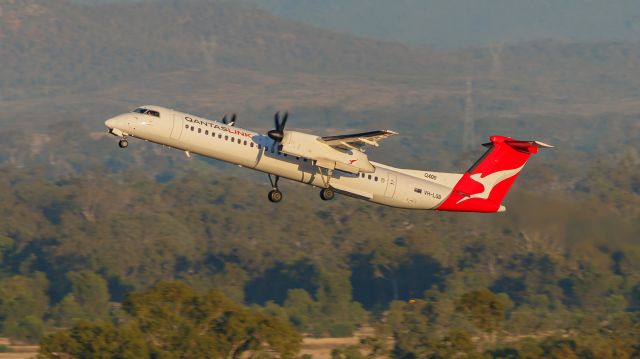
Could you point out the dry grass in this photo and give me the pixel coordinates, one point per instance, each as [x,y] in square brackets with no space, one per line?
[19,351]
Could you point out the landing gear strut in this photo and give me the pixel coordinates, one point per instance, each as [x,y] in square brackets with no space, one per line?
[327,194]
[275,195]
[123,143]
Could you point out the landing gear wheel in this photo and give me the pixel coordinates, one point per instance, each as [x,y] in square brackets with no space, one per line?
[327,194]
[275,196]
[123,143]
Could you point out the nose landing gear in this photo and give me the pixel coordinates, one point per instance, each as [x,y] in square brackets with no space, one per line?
[275,195]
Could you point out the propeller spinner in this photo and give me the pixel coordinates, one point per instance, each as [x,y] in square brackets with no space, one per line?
[277,134]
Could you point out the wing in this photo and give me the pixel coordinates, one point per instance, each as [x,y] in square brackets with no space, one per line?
[357,140]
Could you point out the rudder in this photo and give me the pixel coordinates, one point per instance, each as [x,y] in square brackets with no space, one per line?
[483,187]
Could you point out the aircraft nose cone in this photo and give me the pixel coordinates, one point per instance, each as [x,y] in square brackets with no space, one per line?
[110,123]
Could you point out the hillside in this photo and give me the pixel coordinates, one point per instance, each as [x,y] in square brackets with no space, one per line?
[49,43]
[218,56]
[460,23]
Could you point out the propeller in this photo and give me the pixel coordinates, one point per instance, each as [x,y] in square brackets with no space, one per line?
[234,118]
[277,134]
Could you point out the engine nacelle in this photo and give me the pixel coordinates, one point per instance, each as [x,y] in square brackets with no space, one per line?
[309,146]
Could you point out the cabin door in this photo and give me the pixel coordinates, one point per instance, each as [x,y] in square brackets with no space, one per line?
[176,131]
[391,186]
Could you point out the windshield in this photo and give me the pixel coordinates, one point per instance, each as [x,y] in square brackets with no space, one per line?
[145,111]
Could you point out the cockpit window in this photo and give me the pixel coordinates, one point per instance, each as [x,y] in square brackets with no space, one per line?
[145,111]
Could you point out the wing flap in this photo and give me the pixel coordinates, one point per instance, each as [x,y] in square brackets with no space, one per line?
[357,140]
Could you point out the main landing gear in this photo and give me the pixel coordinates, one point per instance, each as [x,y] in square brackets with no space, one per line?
[275,195]
[123,143]
[327,194]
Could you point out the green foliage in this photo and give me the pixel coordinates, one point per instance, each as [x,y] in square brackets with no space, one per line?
[91,293]
[484,309]
[341,329]
[171,320]
[333,313]
[96,340]
[301,308]
[23,302]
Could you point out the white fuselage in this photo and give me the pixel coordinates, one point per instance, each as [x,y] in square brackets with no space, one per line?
[386,185]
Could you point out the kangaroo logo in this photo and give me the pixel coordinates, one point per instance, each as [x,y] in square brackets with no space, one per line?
[488,182]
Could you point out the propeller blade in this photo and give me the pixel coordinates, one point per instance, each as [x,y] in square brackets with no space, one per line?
[284,121]
[277,134]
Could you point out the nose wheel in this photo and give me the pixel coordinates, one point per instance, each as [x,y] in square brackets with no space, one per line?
[327,194]
[275,195]
[123,143]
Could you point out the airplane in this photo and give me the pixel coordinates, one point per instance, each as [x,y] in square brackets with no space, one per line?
[335,164]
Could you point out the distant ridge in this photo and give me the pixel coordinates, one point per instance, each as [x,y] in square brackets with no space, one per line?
[53,42]
[461,23]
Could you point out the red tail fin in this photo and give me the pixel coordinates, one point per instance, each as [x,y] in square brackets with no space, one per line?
[483,187]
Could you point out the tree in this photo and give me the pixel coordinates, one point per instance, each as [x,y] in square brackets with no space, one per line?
[301,308]
[23,302]
[96,340]
[89,296]
[483,308]
[171,320]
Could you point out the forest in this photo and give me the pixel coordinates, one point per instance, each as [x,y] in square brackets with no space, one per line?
[557,273]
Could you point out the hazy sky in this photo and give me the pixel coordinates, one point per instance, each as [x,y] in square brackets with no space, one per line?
[453,23]
[457,23]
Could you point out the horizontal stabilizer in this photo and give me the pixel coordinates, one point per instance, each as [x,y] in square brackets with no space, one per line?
[530,147]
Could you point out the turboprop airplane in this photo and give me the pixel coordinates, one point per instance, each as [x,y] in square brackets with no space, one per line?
[335,164]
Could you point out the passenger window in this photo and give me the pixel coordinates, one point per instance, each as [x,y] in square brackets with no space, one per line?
[376,179]
[186,126]
[199,130]
[417,190]
[219,135]
[226,138]
[191,128]
[206,132]
[369,176]
[251,144]
[233,139]
[245,142]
